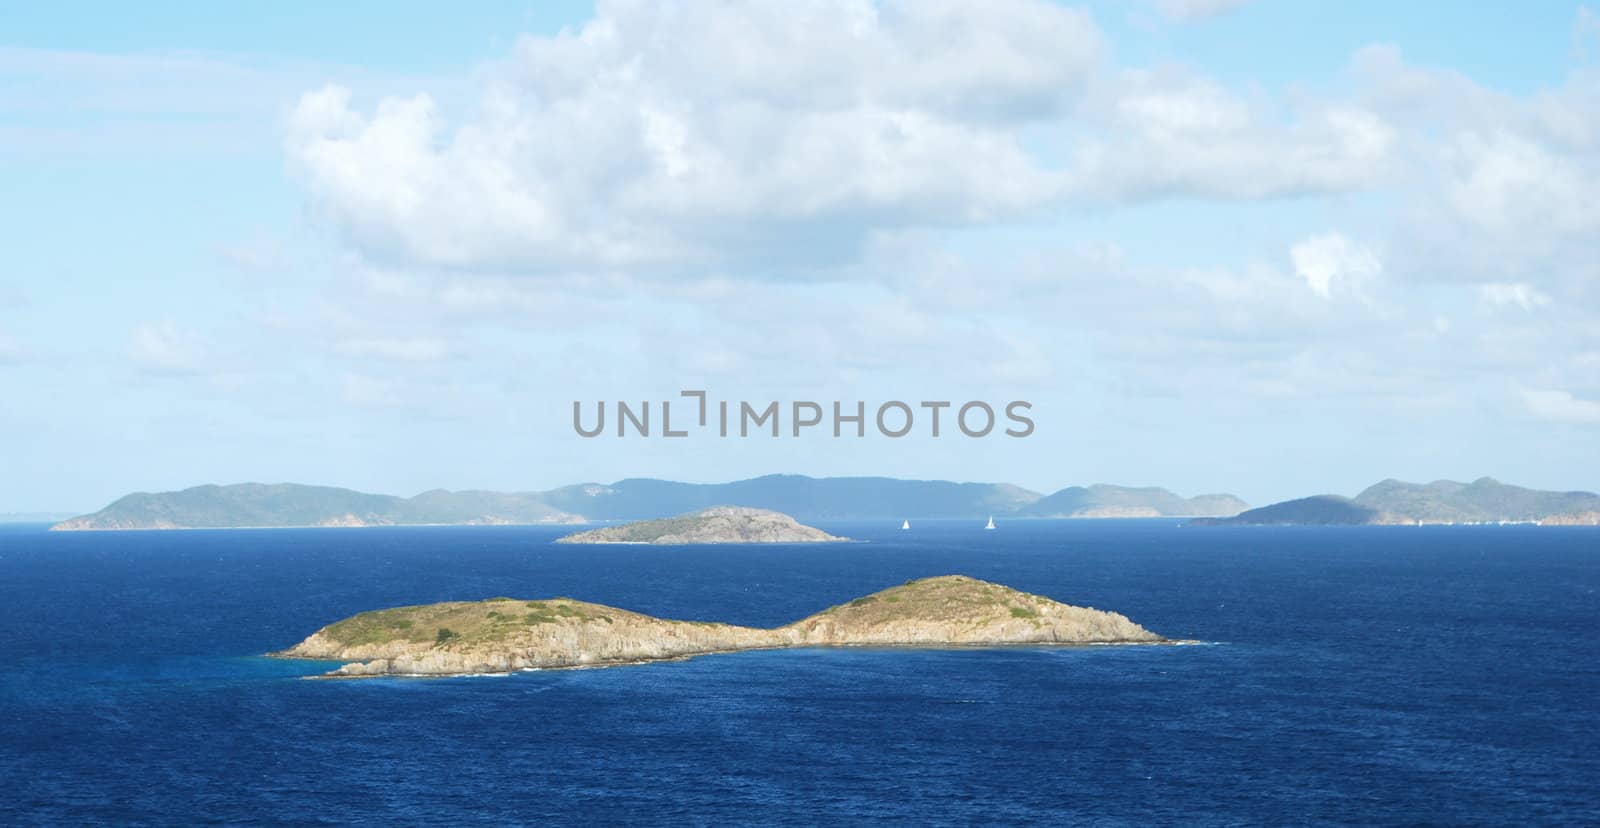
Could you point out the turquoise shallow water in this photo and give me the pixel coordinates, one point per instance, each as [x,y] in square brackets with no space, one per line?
[1359,676]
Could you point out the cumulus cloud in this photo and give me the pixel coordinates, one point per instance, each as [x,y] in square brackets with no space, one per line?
[1169,131]
[1561,406]
[780,140]
[661,134]
[1332,263]
[753,153]
[1505,183]
[1495,187]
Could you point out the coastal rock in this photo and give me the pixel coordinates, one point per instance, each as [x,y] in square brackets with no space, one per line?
[503,635]
[1589,518]
[718,524]
[955,609]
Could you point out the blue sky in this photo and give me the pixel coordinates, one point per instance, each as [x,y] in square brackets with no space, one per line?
[1272,248]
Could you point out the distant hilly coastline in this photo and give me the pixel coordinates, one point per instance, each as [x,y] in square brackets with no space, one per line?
[1104,501]
[1391,502]
[286,505]
[1395,502]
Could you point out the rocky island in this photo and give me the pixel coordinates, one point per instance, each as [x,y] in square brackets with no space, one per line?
[718,524]
[503,635]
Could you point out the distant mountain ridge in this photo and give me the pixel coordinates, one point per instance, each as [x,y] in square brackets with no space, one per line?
[1121,501]
[806,498]
[1484,500]
[282,505]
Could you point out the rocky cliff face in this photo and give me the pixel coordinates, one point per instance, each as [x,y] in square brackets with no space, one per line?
[505,635]
[719,524]
[558,633]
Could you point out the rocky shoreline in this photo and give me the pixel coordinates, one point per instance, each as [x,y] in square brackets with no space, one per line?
[718,524]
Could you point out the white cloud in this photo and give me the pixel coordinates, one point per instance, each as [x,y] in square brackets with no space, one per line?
[1494,188]
[1332,263]
[1561,406]
[1192,10]
[779,140]
[667,135]
[870,143]
[1522,295]
[1168,131]
[162,348]
[1507,183]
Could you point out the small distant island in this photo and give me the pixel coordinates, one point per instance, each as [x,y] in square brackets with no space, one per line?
[718,524]
[503,635]
[1397,503]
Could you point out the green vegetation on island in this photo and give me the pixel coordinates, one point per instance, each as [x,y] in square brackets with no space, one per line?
[719,524]
[505,634]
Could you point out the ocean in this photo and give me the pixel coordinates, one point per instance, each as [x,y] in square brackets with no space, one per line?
[1351,675]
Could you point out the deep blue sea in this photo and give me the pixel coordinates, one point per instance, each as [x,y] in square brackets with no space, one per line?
[1361,676]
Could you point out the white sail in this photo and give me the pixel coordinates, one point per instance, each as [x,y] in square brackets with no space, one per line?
[991,522]
[905,524]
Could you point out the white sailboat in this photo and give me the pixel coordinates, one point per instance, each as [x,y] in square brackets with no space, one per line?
[905,524]
[991,522]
